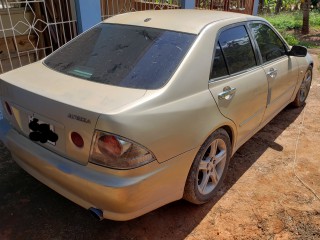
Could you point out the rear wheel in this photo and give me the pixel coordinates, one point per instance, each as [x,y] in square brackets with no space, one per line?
[209,168]
[304,89]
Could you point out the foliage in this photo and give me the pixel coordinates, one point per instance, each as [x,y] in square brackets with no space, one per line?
[287,5]
[269,5]
[314,19]
[291,39]
[291,21]
[285,21]
[289,25]
[314,2]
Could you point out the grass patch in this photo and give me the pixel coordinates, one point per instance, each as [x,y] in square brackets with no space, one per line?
[291,39]
[289,25]
[285,21]
[293,20]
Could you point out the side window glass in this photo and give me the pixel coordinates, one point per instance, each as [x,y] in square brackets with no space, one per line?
[237,49]
[219,67]
[270,45]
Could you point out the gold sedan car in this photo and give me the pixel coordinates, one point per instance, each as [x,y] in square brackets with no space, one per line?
[148,107]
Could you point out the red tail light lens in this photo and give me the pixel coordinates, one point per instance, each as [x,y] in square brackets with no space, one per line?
[109,144]
[9,110]
[113,151]
[77,139]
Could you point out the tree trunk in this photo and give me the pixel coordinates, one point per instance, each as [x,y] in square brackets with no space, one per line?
[278,6]
[261,5]
[305,21]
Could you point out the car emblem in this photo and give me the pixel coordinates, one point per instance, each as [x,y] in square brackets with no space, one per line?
[79,118]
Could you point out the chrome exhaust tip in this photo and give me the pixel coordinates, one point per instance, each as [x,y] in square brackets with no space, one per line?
[97,213]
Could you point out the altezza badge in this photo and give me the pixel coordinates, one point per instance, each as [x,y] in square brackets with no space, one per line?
[79,118]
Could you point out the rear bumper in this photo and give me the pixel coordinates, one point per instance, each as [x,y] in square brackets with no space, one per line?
[120,194]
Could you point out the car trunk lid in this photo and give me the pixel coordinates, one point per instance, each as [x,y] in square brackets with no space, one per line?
[61,103]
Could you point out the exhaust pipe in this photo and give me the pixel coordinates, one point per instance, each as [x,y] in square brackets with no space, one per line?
[97,213]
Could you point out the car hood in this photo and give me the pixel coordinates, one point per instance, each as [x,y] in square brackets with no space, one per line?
[91,96]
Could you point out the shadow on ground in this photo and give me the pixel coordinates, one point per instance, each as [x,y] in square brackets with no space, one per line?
[30,210]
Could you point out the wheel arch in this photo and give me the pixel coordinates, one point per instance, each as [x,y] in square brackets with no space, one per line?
[191,191]
[231,131]
[231,134]
[311,64]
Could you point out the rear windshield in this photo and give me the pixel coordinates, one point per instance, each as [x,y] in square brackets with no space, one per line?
[122,55]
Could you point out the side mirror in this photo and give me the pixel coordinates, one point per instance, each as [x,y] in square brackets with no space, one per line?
[298,51]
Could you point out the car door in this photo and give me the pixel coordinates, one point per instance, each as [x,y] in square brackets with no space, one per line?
[281,70]
[238,84]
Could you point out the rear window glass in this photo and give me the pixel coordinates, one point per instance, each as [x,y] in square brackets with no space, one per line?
[237,49]
[122,55]
[219,67]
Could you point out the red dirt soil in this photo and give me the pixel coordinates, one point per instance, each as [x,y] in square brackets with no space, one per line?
[271,192]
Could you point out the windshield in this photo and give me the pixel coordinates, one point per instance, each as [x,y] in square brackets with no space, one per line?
[122,55]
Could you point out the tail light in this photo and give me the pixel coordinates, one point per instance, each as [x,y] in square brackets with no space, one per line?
[116,152]
[109,145]
[77,139]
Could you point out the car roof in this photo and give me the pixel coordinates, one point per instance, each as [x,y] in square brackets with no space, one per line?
[181,20]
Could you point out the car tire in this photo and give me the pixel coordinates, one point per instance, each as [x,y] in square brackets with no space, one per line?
[209,168]
[304,89]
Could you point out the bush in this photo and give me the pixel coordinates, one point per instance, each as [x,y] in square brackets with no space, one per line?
[287,23]
[290,21]
[291,40]
[314,19]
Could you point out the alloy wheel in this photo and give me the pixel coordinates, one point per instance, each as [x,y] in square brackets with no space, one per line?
[211,166]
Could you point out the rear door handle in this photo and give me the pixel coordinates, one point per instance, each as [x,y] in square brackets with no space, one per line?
[272,72]
[227,93]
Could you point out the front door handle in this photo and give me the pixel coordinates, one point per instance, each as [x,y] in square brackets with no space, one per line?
[272,72]
[227,93]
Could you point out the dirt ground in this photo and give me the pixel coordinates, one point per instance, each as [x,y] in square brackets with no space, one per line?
[271,192]
[313,38]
